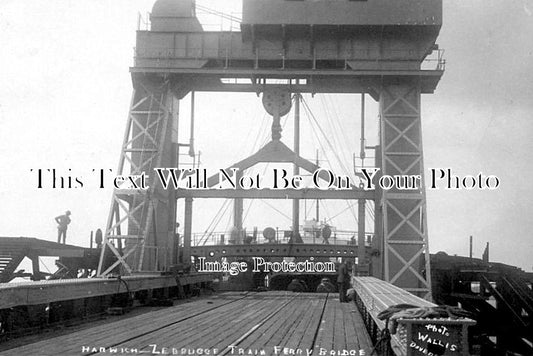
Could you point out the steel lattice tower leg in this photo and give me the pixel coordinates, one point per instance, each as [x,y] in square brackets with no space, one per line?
[146,214]
[405,238]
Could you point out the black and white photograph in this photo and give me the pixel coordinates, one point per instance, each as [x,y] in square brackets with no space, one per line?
[266,177]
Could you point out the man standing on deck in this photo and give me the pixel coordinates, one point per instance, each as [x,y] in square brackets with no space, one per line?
[62,224]
[343,281]
[326,234]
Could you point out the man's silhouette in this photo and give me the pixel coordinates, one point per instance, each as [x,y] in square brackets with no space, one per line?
[62,224]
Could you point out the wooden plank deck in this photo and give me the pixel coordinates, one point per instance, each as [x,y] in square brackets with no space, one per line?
[270,323]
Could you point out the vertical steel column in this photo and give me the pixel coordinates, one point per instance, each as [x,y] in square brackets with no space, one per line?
[405,241]
[362,153]
[191,136]
[35,268]
[361,249]
[377,255]
[172,196]
[317,210]
[187,231]
[238,209]
[471,247]
[296,202]
[157,245]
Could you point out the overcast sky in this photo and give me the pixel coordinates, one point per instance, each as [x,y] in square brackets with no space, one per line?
[66,89]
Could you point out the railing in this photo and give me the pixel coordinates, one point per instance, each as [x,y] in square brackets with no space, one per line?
[211,20]
[434,61]
[282,237]
[143,22]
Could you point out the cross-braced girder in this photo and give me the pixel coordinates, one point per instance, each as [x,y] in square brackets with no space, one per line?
[405,238]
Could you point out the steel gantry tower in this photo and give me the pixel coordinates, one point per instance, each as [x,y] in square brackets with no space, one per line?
[373,47]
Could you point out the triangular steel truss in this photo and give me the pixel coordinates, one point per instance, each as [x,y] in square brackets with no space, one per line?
[132,208]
